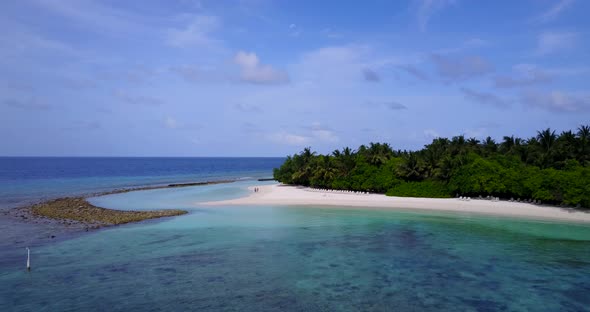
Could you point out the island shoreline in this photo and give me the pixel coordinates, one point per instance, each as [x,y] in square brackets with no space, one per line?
[288,195]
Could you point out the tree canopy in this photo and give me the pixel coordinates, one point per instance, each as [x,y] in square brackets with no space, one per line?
[553,168]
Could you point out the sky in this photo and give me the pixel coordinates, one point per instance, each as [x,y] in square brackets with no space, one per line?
[268,78]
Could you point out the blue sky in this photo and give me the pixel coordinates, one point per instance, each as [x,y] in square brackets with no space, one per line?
[267,78]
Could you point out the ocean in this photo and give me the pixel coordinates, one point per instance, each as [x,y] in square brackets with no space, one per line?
[279,258]
[26,179]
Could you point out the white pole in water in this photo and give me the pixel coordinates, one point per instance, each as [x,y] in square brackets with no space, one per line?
[28,259]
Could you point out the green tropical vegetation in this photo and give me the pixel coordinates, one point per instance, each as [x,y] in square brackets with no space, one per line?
[549,167]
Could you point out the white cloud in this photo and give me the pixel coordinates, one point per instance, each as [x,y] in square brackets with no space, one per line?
[469,44]
[431,134]
[459,69]
[392,105]
[196,140]
[99,17]
[170,123]
[253,72]
[336,54]
[319,133]
[523,75]
[196,33]
[428,8]
[484,98]
[325,135]
[552,42]
[116,20]
[200,74]
[246,108]
[248,64]
[137,99]
[316,133]
[289,138]
[246,60]
[333,64]
[554,11]
[475,42]
[294,31]
[26,104]
[328,32]
[557,101]
[20,41]
[476,133]
[82,125]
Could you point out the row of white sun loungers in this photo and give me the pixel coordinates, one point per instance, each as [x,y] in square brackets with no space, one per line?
[492,198]
[463,198]
[530,201]
[337,191]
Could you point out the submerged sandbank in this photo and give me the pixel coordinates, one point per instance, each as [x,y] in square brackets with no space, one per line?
[279,194]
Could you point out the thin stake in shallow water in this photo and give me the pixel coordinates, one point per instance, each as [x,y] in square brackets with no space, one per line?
[28,259]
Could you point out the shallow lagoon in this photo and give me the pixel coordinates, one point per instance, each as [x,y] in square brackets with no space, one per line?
[301,258]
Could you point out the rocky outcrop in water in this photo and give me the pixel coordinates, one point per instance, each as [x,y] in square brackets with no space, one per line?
[79,210]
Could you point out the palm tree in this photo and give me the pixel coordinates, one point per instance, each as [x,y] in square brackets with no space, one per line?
[458,145]
[567,144]
[362,149]
[490,146]
[432,155]
[531,153]
[473,145]
[324,172]
[411,168]
[446,168]
[303,166]
[346,161]
[507,145]
[583,135]
[547,140]
[307,153]
[378,154]
[347,151]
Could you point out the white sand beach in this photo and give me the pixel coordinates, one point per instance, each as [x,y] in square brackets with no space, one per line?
[278,194]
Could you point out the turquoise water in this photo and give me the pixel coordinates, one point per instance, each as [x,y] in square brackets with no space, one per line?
[26,180]
[302,259]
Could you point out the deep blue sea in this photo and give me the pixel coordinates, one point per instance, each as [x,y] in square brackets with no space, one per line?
[23,179]
[280,258]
